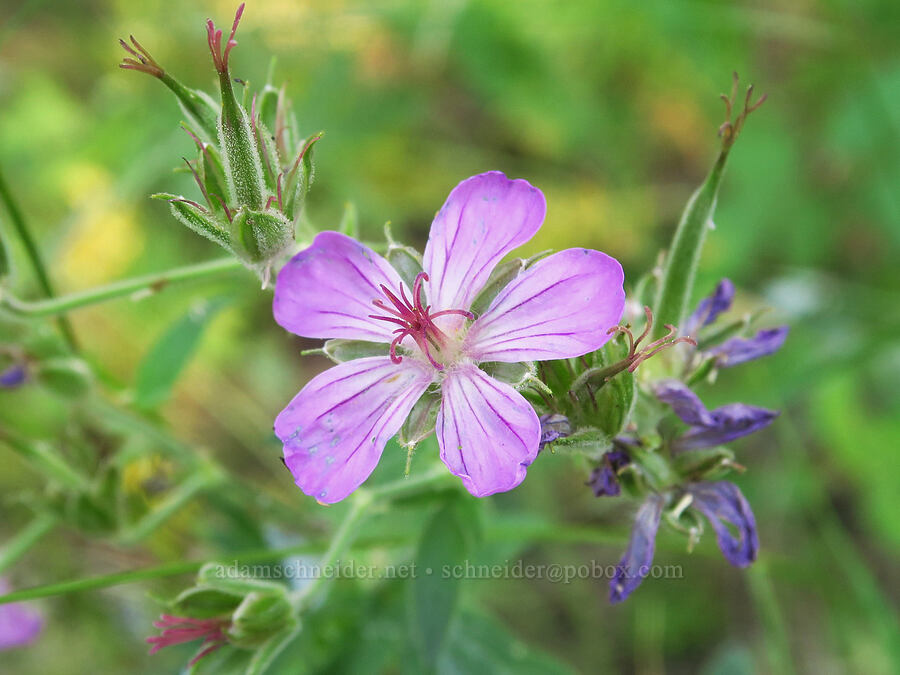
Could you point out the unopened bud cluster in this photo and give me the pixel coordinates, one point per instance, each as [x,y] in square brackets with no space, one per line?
[252,167]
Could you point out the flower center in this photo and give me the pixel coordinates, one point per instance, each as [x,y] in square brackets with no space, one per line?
[415,321]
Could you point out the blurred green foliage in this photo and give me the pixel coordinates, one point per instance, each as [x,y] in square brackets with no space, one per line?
[610,108]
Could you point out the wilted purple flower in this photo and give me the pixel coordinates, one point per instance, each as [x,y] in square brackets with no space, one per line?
[604,480]
[740,350]
[336,428]
[710,427]
[635,564]
[737,349]
[553,427]
[13,376]
[709,308]
[722,502]
[19,624]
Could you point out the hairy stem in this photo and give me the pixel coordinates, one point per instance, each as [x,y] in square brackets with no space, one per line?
[151,283]
[361,503]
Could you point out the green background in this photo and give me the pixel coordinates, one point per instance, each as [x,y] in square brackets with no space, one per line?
[610,108]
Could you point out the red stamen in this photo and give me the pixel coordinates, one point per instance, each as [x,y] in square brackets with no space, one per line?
[415,320]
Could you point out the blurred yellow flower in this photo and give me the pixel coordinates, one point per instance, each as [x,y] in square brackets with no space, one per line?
[103,239]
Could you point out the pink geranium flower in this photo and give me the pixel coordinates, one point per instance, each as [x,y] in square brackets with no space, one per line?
[336,428]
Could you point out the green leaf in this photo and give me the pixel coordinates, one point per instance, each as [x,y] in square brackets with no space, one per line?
[419,425]
[202,602]
[500,277]
[196,219]
[481,644]
[349,224]
[684,255]
[300,178]
[515,374]
[702,463]
[406,261]
[266,654]
[615,396]
[435,590]
[257,236]
[615,402]
[161,367]
[67,376]
[259,617]
[654,468]
[590,442]
[340,350]
[233,578]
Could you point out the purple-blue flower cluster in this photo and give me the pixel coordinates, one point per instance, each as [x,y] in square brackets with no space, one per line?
[720,502]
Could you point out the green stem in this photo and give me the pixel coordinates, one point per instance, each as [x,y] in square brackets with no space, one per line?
[44,458]
[410,486]
[362,501]
[175,569]
[151,283]
[34,256]
[769,609]
[338,546]
[505,533]
[205,478]
[24,539]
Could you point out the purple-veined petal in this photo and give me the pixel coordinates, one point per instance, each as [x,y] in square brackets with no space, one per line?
[487,431]
[723,501]
[709,308]
[335,429]
[604,480]
[326,290]
[484,218]
[684,402]
[710,427]
[730,422]
[560,307]
[19,624]
[635,564]
[740,350]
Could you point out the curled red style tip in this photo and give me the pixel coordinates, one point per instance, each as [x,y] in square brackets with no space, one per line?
[214,37]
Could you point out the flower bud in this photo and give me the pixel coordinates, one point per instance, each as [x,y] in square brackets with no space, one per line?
[69,377]
[252,172]
[197,218]
[259,617]
[226,609]
[258,237]
[240,155]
